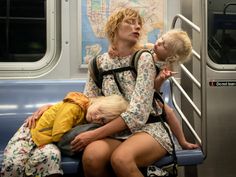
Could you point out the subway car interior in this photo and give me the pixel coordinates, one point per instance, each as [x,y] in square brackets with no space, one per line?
[45,47]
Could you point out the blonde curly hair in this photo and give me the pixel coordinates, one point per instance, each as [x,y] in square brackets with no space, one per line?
[179,44]
[107,108]
[115,20]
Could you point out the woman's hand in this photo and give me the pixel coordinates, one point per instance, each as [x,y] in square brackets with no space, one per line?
[82,140]
[85,138]
[31,120]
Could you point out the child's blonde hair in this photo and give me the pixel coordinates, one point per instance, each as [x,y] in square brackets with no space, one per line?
[110,107]
[180,45]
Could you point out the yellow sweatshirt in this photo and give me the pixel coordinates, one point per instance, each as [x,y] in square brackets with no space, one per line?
[60,118]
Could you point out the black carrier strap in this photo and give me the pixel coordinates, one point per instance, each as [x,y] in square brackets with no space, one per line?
[98,74]
[136,56]
[175,171]
[94,72]
[117,70]
[163,119]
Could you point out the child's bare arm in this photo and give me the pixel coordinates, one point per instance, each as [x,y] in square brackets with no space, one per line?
[161,77]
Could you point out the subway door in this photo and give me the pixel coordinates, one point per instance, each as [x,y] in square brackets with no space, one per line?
[221,90]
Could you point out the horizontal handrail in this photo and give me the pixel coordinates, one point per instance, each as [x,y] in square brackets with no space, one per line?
[196,28]
[174,81]
[179,16]
[186,121]
[189,74]
[196,55]
[192,78]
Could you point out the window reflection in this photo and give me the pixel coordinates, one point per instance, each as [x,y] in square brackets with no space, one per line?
[222,31]
[22,30]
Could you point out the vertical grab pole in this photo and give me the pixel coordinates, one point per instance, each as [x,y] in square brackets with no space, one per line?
[203,53]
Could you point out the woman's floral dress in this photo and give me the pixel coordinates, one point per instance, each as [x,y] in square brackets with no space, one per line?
[138,90]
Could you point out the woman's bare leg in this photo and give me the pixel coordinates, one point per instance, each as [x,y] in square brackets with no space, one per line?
[96,158]
[139,150]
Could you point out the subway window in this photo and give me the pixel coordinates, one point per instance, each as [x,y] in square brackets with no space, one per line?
[22,30]
[222,32]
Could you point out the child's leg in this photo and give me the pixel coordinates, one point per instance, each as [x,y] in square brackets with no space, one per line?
[44,161]
[16,153]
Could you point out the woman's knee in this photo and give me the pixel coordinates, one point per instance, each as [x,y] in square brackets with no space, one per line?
[121,158]
[97,154]
[93,156]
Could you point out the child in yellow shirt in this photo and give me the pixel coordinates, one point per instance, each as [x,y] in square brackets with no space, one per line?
[52,125]
[63,116]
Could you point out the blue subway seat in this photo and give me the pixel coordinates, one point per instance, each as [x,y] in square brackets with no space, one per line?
[20,98]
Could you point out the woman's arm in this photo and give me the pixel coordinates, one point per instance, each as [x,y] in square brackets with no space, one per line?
[141,96]
[83,139]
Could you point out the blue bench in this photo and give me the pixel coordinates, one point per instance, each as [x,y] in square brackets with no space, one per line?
[20,98]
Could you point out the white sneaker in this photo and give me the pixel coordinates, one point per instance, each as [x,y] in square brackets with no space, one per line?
[153,171]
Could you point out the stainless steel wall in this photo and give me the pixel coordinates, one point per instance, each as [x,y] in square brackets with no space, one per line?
[221,96]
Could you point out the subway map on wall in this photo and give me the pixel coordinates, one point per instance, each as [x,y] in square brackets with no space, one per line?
[94,16]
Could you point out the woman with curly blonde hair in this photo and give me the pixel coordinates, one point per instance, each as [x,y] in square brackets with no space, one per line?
[136,138]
